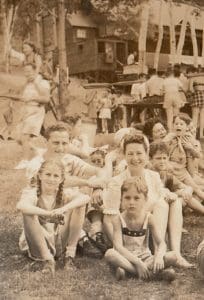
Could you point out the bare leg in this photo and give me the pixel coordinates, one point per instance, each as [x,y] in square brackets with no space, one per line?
[201,122]
[195,114]
[35,238]
[71,230]
[108,226]
[96,223]
[117,260]
[195,205]
[160,213]
[195,187]
[169,115]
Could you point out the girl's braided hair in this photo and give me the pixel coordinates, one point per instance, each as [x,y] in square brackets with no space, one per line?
[36,182]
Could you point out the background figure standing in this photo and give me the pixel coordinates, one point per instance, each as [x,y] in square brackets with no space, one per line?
[29,55]
[105,105]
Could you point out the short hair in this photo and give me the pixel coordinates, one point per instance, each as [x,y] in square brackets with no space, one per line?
[71,119]
[31,44]
[152,71]
[177,72]
[135,139]
[183,116]
[138,183]
[158,147]
[54,128]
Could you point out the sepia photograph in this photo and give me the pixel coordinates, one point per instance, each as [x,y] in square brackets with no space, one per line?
[102,149]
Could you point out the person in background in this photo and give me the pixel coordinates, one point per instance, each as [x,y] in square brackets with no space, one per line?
[154,86]
[104,108]
[29,55]
[196,87]
[173,99]
[132,58]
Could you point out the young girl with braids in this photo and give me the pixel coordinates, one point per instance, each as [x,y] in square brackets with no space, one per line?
[131,252]
[50,217]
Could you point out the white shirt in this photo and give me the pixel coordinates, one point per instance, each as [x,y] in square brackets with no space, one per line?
[172,84]
[154,86]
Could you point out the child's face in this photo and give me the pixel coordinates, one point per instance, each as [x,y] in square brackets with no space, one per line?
[159,161]
[133,201]
[179,126]
[51,177]
[158,132]
[97,160]
[135,156]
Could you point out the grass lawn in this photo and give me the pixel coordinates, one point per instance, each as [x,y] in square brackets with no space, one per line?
[92,279]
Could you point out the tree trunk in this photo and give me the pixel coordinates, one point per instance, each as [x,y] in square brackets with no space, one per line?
[194,41]
[182,35]
[143,38]
[172,34]
[160,37]
[8,16]
[63,100]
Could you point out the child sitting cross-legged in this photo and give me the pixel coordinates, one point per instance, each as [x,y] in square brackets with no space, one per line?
[50,218]
[131,252]
[159,156]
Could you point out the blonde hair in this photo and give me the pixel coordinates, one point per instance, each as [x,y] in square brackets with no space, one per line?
[138,183]
[37,182]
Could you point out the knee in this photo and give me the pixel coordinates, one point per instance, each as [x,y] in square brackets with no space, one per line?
[110,254]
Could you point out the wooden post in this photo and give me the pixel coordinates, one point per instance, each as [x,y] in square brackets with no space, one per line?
[203,47]
[194,40]
[143,37]
[54,28]
[63,100]
[38,32]
[182,35]
[160,37]
[172,33]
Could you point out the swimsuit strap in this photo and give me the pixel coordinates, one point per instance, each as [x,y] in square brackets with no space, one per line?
[135,233]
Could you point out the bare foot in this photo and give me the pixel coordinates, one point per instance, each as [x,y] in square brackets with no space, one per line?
[181,262]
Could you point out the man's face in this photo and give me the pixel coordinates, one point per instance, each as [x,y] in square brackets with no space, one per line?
[58,142]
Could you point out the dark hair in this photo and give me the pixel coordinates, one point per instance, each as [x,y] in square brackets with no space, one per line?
[152,71]
[71,119]
[177,72]
[138,183]
[134,139]
[54,128]
[31,44]
[99,152]
[149,124]
[183,116]
[158,147]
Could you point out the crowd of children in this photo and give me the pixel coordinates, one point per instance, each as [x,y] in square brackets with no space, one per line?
[131,195]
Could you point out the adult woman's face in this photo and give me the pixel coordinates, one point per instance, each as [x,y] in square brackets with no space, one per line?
[158,132]
[27,49]
[136,156]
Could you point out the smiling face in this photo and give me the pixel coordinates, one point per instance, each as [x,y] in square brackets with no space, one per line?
[179,126]
[136,156]
[58,142]
[158,132]
[132,201]
[159,161]
[50,176]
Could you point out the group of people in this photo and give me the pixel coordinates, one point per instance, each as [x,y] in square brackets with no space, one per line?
[132,195]
[173,88]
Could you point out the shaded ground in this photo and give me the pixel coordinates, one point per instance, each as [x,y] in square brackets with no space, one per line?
[93,279]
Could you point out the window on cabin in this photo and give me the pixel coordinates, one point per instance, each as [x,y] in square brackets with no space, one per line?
[101,47]
[81,34]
